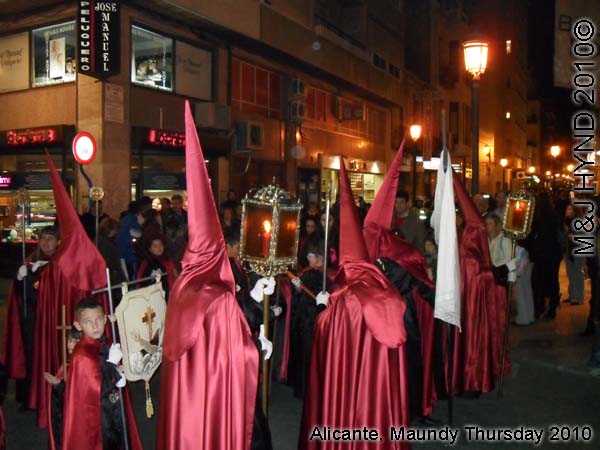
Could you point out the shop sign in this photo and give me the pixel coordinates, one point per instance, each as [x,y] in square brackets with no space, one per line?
[14,62]
[35,181]
[32,136]
[164,181]
[98,32]
[166,138]
[193,71]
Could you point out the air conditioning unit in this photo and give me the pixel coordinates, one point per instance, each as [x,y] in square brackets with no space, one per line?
[297,89]
[249,135]
[213,115]
[297,111]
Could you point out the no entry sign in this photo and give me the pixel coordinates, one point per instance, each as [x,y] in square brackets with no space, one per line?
[84,148]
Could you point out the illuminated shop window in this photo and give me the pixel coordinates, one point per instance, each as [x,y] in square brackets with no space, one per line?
[508,46]
[54,56]
[151,59]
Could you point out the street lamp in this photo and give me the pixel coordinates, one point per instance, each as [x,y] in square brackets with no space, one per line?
[476,53]
[531,170]
[504,163]
[415,134]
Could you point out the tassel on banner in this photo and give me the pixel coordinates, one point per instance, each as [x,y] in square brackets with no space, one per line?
[149,406]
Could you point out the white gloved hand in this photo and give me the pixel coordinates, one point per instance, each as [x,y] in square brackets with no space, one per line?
[277,310]
[270,287]
[297,282]
[512,276]
[258,291]
[36,265]
[122,381]
[265,344]
[512,264]
[115,355]
[22,272]
[323,298]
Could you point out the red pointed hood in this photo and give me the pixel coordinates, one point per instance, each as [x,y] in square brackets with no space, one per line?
[206,275]
[352,244]
[77,257]
[468,209]
[377,227]
[359,280]
[474,239]
[382,209]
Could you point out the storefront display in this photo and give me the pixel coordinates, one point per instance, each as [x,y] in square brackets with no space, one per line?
[54,56]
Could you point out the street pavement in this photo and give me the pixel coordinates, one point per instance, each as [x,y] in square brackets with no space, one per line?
[550,385]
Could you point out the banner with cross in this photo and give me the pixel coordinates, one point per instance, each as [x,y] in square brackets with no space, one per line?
[141,320]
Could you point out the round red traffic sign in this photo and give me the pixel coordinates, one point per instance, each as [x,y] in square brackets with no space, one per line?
[84,148]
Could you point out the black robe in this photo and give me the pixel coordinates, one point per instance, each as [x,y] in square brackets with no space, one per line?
[406,284]
[304,315]
[261,433]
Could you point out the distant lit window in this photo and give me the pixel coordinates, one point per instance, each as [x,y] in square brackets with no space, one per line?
[507,115]
[54,57]
[508,47]
[151,59]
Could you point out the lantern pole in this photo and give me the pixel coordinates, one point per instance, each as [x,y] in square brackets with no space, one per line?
[326,249]
[265,362]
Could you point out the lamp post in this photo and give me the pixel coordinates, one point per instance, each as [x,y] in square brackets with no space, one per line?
[415,134]
[554,151]
[476,53]
[504,163]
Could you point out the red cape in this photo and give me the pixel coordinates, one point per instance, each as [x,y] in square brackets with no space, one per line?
[82,421]
[357,374]
[478,348]
[208,391]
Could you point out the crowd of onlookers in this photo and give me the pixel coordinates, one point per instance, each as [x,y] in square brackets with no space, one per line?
[145,239]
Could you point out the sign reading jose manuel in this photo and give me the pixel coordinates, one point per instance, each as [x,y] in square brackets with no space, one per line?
[99,28]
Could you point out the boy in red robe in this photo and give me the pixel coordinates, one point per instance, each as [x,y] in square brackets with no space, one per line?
[92,412]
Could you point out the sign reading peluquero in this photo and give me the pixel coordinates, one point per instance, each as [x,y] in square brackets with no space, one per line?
[98,30]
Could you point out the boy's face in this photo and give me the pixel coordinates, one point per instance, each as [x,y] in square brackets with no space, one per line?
[314,260]
[48,244]
[157,248]
[91,322]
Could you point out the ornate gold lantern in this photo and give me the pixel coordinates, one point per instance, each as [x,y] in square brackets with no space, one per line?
[269,244]
[270,231]
[518,214]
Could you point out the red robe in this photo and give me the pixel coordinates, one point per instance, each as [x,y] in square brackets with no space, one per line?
[382,242]
[82,420]
[478,347]
[209,376]
[357,373]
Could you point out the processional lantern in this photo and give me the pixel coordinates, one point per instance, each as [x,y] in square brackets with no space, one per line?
[270,231]
[269,244]
[518,214]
